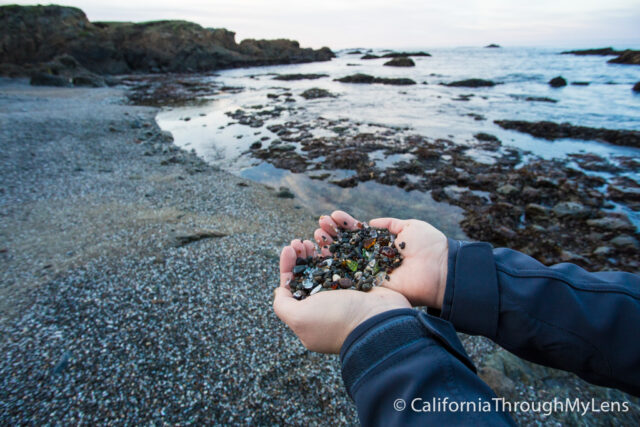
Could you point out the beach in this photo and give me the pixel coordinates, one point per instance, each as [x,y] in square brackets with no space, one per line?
[137,282]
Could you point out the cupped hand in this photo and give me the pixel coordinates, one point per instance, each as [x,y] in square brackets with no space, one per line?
[324,320]
[422,277]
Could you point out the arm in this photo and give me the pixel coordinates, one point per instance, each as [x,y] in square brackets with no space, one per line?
[409,355]
[560,316]
[388,351]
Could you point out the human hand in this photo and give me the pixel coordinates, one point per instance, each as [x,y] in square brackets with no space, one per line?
[422,277]
[324,320]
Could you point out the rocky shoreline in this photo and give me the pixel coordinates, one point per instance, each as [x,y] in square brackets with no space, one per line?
[545,208]
[123,298]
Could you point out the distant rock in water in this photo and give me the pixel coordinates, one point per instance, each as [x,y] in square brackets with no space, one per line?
[603,51]
[534,98]
[471,83]
[630,57]
[369,56]
[367,79]
[355,52]
[492,46]
[580,83]
[402,61]
[315,93]
[552,131]
[404,54]
[37,34]
[289,77]
[557,82]
[636,87]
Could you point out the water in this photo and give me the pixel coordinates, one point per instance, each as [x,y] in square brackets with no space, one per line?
[428,108]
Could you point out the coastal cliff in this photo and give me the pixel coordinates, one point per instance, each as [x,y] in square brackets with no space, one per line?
[31,35]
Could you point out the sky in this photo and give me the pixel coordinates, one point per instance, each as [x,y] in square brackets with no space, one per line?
[396,23]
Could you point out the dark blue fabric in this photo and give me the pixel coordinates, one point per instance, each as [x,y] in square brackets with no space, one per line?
[560,316]
[407,354]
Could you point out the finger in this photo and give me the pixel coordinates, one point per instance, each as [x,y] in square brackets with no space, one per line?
[328,225]
[344,220]
[287,261]
[284,304]
[394,225]
[297,246]
[324,240]
[310,248]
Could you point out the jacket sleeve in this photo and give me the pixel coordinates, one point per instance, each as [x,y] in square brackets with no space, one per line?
[405,367]
[560,316]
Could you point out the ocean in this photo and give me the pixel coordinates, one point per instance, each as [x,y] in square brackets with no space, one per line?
[603,98]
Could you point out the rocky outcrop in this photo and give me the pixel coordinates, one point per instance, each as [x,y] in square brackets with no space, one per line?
[37,34]
[636,87]
[630,57]
[552,131]
[471,83]
[401,61]
[315,93]
[404,54]
[557,82]
[367,79]
[493,46]
[603,51]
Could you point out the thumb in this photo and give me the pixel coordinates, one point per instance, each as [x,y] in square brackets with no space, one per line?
[284,304]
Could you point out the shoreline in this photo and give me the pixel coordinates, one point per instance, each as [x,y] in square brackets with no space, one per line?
[110,310]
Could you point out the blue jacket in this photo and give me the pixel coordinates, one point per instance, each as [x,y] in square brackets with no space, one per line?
[560,316]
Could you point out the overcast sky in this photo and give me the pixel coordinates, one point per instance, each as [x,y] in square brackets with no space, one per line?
[396,23]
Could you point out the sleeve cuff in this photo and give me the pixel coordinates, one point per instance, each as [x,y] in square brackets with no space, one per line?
[379,337]
[471,298]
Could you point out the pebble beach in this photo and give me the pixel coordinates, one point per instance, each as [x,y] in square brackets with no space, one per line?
[137,282]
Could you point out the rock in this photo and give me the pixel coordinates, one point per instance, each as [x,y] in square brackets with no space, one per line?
[580,83]
[611,223]
[44,79]
[552,131]
[486,137]
[454,192]
[501,384]
[36,34]
[625,242]
[290,77]
[530,194]
[557,82]
[402,61]
[624,194]
[535,210]
[315,93]
[471,83]
[540,99]
[404,54]
[186,238]
[630,57]
[256,145]
[571,209]
[492,45]
[367,79]
[369,56]
[636,87]
[285,193]
[602,251]
[507,190]
[89,81]
[603,51]
[568,256]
